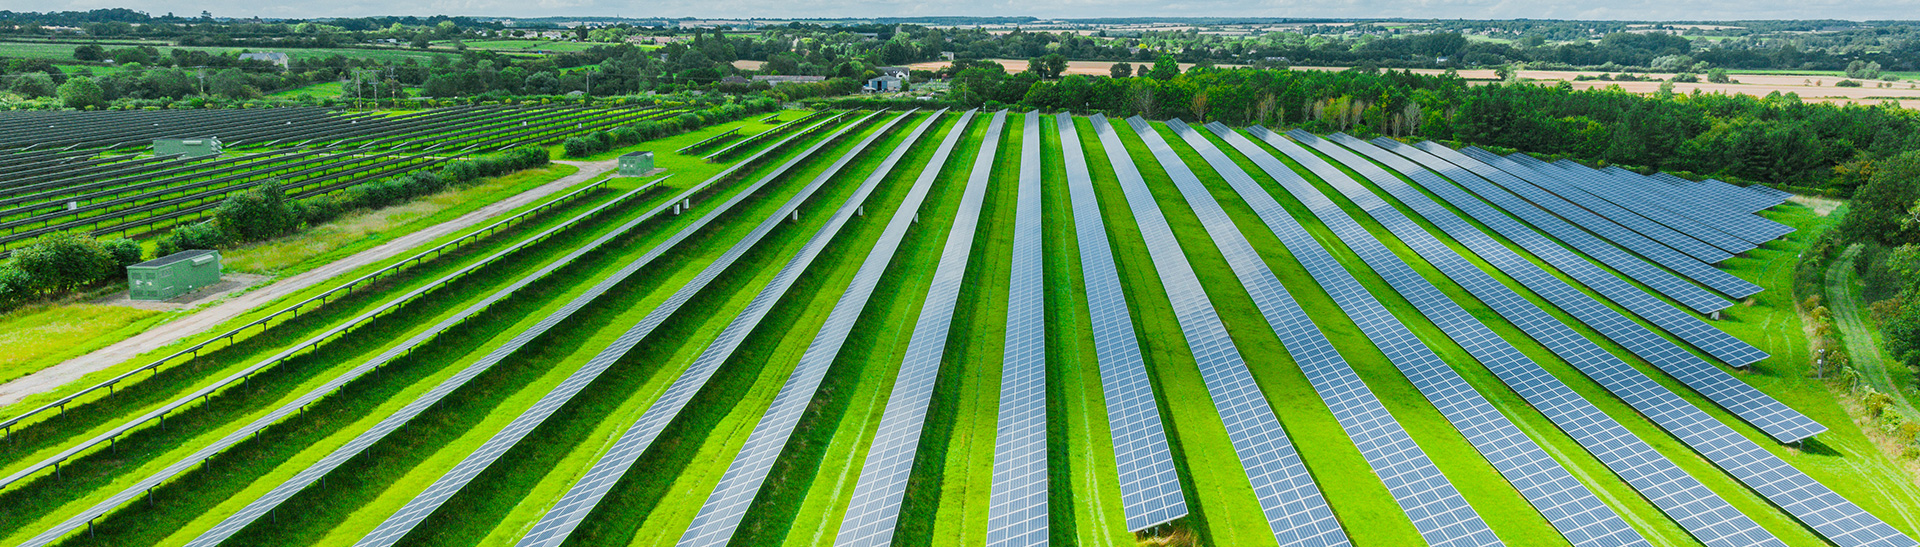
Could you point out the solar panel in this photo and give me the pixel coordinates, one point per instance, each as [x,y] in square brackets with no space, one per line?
[1806,499]
[1700,206]
[875,509]
[1149,485]
[1433,504]
[396,526]
[1650,250]
[1511,172]
[1017,512]
[720,516]
[1598,184]
[263,505]
[560,520]
[1764,412]
[1295,510]
[1573,509]
[1703,513]
[1688,328]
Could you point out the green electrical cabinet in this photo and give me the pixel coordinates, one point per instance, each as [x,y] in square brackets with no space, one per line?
[173,275]
[636,164]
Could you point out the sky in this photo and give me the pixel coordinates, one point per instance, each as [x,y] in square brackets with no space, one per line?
[1688,10]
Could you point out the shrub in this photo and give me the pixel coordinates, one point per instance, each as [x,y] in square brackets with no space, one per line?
[15,286]
[122,252]
[63,262]
[1846,83]
[257,214]
[202,235]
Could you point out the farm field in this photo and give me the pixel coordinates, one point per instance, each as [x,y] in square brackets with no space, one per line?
[812,330]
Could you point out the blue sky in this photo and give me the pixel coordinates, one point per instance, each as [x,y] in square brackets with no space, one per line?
[1469,9]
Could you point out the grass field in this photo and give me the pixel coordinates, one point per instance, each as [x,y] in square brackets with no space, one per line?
[806,494]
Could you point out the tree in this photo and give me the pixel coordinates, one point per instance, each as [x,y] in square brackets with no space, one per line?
[1879,208]
[1055,64]
[1718,76]
[89,52]
[232,83]
[63,262]
[1120,70]
[33,85]
[421,41]
[1865,70]
[82,92]
[1165,68]
[259,213]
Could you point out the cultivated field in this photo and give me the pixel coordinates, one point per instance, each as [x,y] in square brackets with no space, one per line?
[962,328]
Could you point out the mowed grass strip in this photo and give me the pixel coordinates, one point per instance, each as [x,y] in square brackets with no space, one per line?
[1358,498]
[1509,514]
[1084,476]
[1223,507]
[807,492]
[474,512]
[98,414]
[1735,493]
[576,239]
[91,478]
[327,243]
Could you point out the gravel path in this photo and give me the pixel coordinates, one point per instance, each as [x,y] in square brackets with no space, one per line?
[74,369]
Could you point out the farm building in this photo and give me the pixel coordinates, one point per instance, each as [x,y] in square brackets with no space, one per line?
[636,164]
[173,275]
[192,148]
[274,57]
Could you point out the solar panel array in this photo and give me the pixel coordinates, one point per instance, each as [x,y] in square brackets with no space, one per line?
[313,473]
[1763,411]
[1573,509]
[1149,485]
[1623,196]
[720,515]
[1703,513]
[1688,328]
[399,524]
[1507,174]
[875,510]
[327,388]
[1295,510]
[1017,510]
[1503,193]
[580,499]
[1839,520]
[1690,203]
[1436,508]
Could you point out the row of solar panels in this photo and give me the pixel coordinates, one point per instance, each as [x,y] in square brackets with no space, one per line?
[1295,509]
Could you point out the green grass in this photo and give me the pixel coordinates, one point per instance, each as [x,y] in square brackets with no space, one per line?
[1774,329]
[146,449]
[356,232]
[319,90]
[1323,445]
[1224,510]
[805,497]
[45,335]
[810,486]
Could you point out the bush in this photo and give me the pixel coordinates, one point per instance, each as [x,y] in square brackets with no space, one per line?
[257,214]
[122,252]
[203,235]
[15,287]
[63,262]
[1846,83]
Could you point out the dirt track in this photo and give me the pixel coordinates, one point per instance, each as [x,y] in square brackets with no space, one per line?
[74,369]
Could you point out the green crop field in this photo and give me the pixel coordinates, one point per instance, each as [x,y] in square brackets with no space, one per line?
[701,424]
